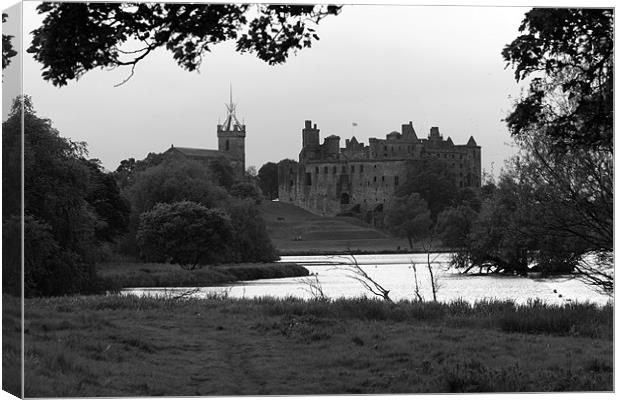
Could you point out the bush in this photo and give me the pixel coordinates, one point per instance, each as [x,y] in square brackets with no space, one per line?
[184,233]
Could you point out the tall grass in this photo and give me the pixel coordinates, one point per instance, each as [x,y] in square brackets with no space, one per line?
[535,317]
[580,319]
[129,345]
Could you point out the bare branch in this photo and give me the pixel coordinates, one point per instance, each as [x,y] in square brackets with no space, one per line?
[133,67]
[314,287]
[358,274]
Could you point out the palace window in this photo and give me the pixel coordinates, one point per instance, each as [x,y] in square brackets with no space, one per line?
[344,169]
[374,179]
[396,181]
[316,170]
[334,170]
[325,170]
[361,168]
[352,168]
[383,179]
[227,145]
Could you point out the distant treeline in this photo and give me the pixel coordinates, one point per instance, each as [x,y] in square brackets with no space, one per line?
[76,213]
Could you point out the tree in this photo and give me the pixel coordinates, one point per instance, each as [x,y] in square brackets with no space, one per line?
[51,269]
[59,223]
[77,37]
[268,180]
[251,172]
[103,195]
[564,126]
[569,54]
[169,180]
[184,233]
[222,172]
[454,225]
[498,240]
[573,193]
[409,217]
[55,181]
[511,232]
[124,171]
[246,190]
[128,168]
[432,180]
[251,242]
[173,180]
[7,47]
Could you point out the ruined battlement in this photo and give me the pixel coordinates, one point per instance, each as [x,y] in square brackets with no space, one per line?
[330,179]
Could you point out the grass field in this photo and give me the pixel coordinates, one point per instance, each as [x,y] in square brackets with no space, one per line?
[128,274]
[322,234]
[130,346]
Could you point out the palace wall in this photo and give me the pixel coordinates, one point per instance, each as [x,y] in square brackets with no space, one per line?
[329,180]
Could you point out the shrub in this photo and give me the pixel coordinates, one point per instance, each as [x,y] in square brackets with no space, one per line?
[184,233]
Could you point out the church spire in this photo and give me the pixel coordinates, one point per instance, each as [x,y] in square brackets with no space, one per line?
[230,91]
[231,119]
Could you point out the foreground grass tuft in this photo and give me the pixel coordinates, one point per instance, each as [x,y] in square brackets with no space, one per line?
[586,320]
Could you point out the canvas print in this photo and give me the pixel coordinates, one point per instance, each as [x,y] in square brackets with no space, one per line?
[213,199]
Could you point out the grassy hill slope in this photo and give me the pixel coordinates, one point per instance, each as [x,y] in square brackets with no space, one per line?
[320,234]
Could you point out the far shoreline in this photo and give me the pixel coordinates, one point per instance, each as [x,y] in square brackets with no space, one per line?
[299,253]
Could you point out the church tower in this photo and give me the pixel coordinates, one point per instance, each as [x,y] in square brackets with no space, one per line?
[231,137]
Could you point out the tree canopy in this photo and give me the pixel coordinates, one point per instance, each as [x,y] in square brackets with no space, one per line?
[184,233]
[553,208]
[78,37]
[268,180]
[8,51]
[432,180]
[70,206]
[409,217]
[174,179]
[568,54]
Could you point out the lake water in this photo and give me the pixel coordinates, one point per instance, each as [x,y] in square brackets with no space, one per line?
[395,273]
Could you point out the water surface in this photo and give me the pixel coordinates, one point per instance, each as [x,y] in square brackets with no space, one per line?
[395,273]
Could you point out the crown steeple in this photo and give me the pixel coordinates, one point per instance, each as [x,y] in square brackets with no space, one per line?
[231,123]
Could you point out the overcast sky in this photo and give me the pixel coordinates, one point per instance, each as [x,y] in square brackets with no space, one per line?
[377,66]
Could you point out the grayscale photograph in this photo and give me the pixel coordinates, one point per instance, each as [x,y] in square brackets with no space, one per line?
[232,199]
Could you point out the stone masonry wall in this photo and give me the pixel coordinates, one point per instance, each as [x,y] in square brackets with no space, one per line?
[326,181]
